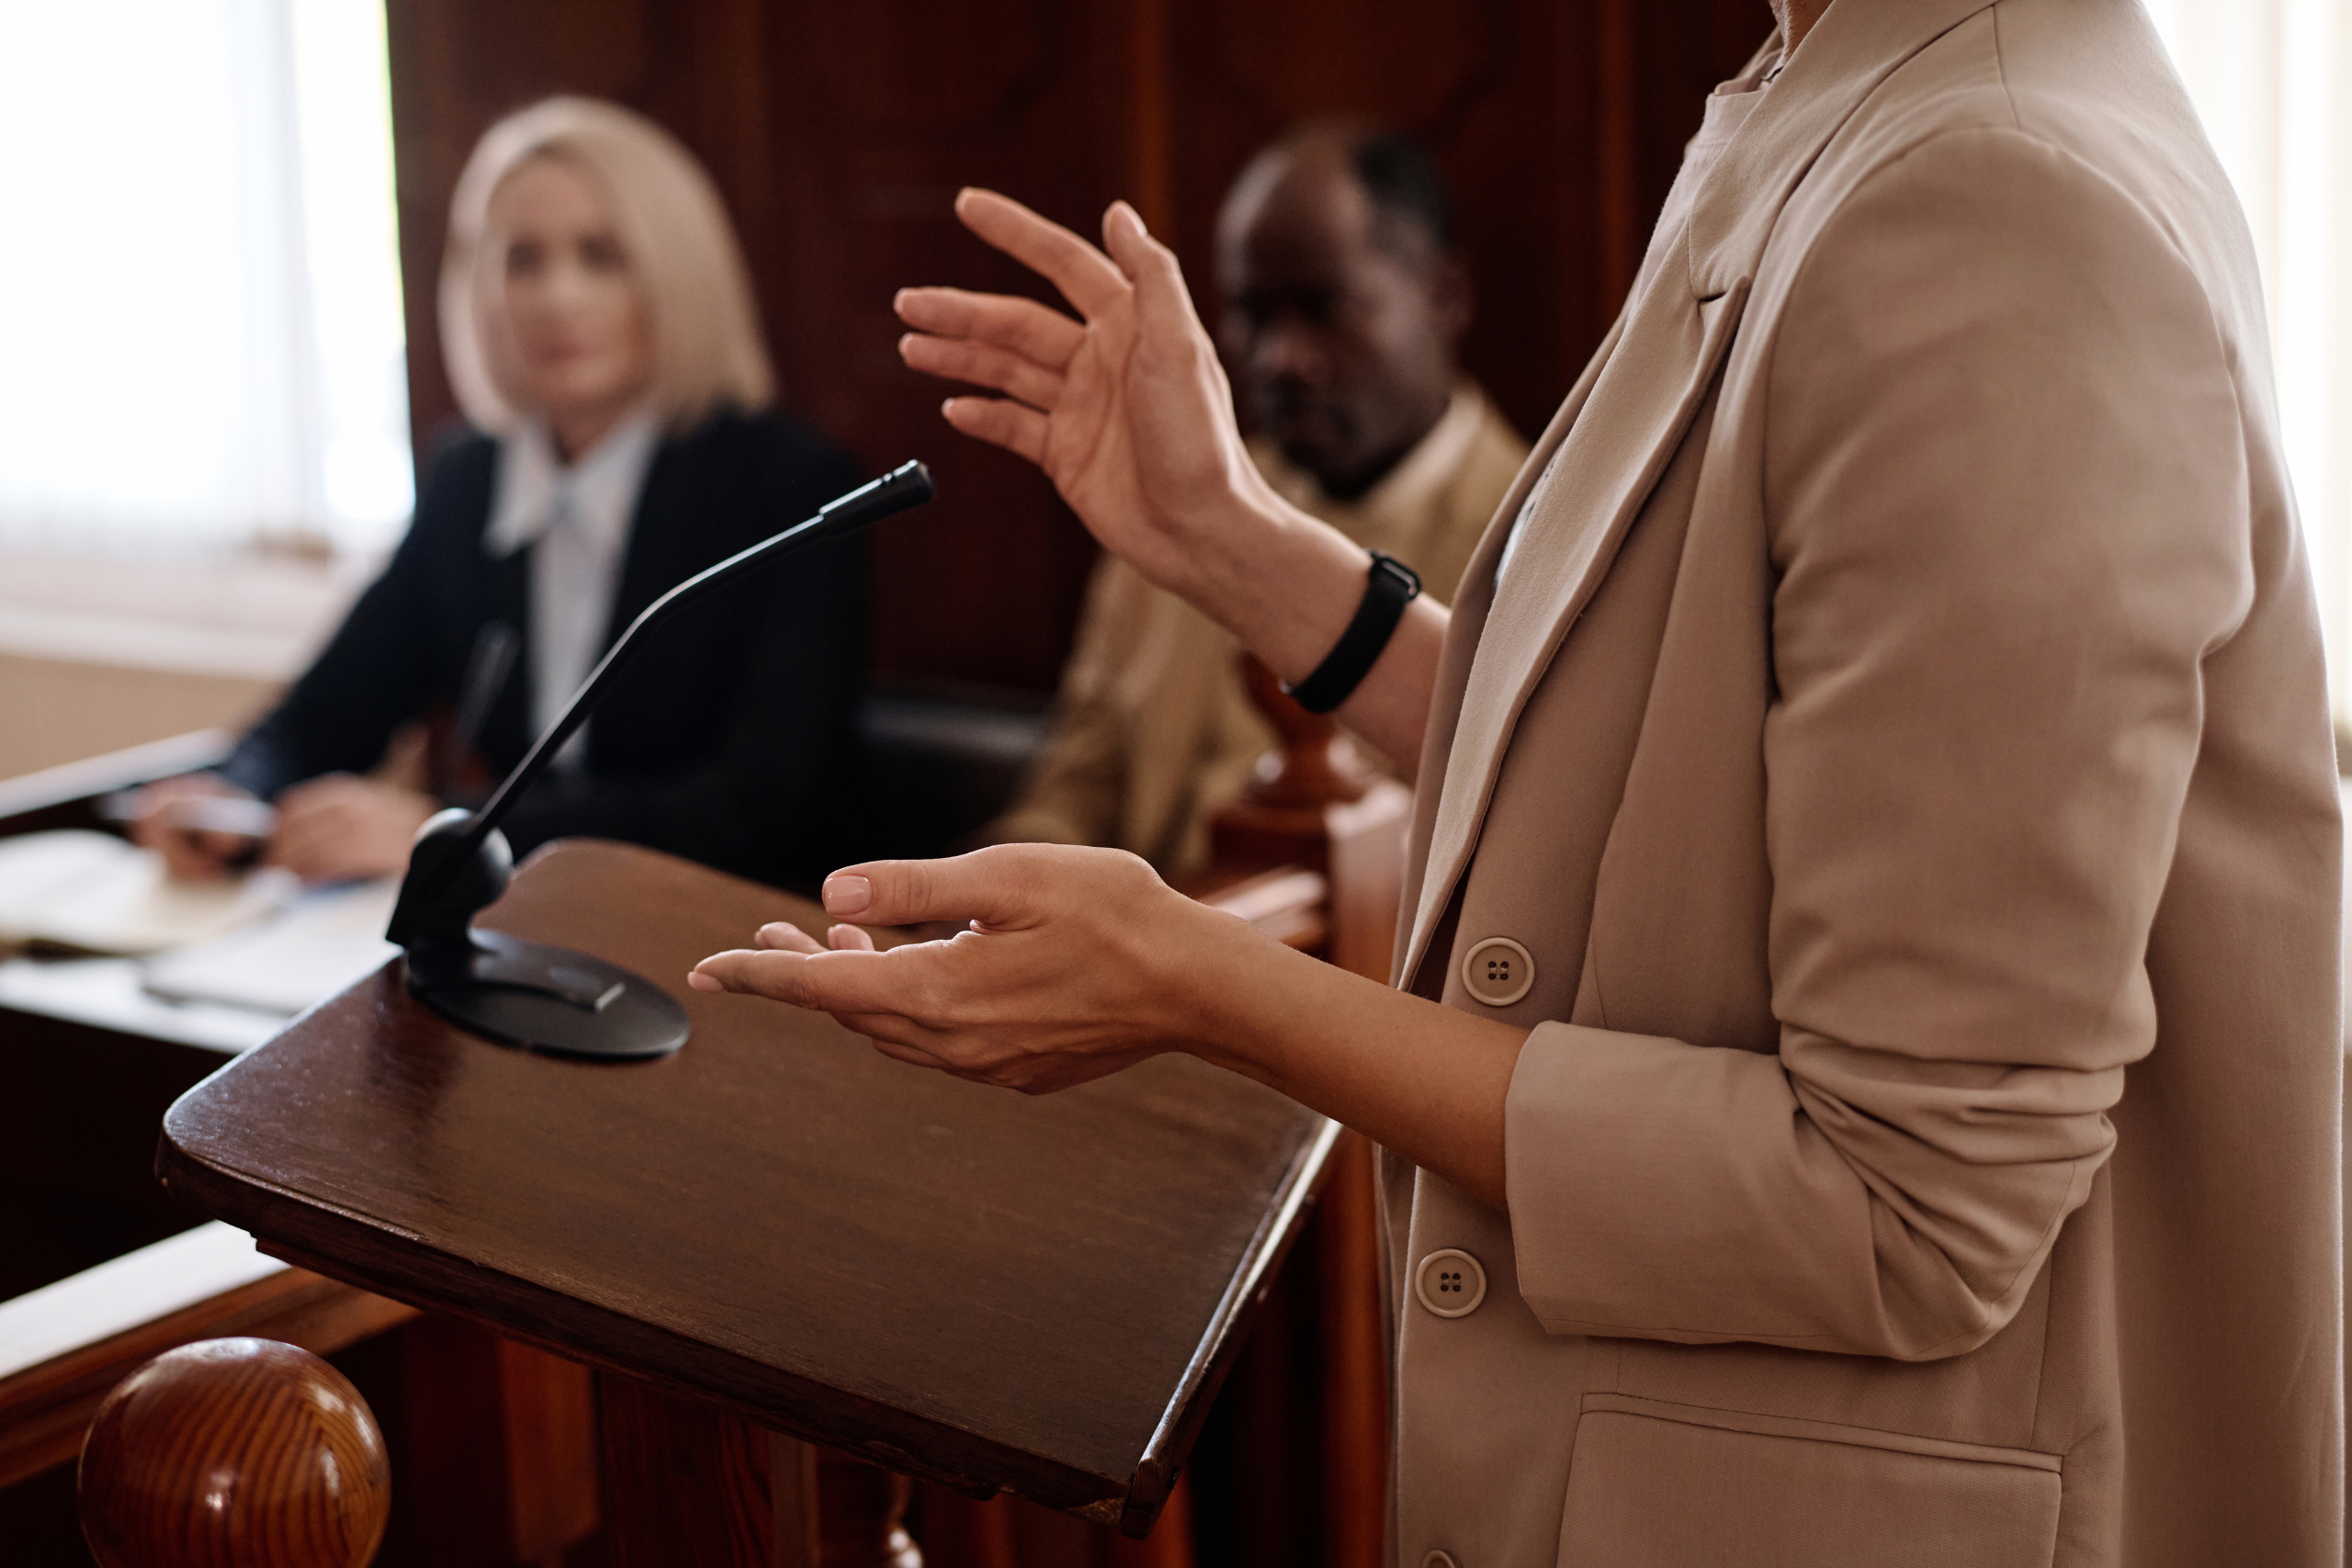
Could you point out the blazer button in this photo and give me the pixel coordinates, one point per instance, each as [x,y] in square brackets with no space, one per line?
[1450,1282]
[1498,971]
[1439,1559]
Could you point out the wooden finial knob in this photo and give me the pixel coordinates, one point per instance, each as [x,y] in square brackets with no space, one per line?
[234,1451]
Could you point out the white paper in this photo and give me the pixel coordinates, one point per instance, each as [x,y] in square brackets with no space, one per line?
[100,894]
[38,868]
[105,992]
[322,941]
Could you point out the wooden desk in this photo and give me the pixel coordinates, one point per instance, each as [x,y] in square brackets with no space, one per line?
[953,1281]
[91,1062]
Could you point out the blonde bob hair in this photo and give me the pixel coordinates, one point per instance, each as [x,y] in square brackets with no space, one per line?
[681,249]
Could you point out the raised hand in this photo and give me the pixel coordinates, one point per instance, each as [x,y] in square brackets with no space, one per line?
[1125,408]
[1127,411]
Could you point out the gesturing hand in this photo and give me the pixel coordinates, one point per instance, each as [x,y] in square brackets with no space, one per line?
[1077,962]
[1125,409]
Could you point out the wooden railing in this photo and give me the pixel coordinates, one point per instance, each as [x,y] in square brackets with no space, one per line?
[63,1347]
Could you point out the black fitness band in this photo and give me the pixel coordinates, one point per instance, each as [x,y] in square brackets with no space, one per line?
[1391,586]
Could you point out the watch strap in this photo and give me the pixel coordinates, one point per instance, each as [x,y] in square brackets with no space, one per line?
[1388,588]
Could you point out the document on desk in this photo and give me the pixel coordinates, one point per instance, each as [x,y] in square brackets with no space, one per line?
[304,953]
[94,893]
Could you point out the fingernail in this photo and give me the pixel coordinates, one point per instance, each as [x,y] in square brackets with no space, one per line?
[847,895]
[702,982]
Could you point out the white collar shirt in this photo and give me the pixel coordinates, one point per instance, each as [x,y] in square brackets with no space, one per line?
[574,519]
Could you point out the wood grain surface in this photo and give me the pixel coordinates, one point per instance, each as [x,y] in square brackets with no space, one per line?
[45,1409]
[234,1453]
[1000,1292]
[684,1482]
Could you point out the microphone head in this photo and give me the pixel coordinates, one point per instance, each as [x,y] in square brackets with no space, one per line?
[906,485]
[447,881]
[914,478]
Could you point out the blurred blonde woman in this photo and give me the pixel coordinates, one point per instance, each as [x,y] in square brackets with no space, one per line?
[601,335]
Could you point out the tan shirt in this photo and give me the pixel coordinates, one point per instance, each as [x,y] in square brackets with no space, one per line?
[1154,732]
[1893,783]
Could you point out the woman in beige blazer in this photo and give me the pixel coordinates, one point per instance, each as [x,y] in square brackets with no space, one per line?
[1863,1080]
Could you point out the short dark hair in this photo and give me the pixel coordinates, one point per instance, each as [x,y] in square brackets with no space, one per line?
[1405,186]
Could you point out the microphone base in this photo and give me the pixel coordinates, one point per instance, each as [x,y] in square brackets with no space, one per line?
[549,1000]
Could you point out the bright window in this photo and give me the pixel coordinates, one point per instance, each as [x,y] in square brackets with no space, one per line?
[2272,81]
[200,339]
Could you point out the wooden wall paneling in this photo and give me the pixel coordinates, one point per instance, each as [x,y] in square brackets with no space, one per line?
[880,113]
[1682,53]
[838,132]
[1618,225]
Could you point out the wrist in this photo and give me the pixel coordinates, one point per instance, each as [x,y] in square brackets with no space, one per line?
[1225,993]
[1390,586]
[1291,592]
[1220,541]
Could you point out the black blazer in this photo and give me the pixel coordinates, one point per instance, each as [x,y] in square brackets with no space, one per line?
[728,739]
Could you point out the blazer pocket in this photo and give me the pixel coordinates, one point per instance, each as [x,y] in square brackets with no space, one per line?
[1659,1486]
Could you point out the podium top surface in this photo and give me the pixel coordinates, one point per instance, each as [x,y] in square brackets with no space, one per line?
[991,1290]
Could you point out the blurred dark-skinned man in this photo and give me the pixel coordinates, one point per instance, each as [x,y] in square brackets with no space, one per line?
[1345,301]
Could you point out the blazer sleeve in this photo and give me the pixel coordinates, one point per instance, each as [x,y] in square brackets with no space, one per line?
[2005,486]
[380,669]
[769,800]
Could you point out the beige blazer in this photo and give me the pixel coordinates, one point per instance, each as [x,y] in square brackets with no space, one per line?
[1154,732]
[1893,779]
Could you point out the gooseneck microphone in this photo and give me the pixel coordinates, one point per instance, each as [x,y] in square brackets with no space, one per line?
[530,994]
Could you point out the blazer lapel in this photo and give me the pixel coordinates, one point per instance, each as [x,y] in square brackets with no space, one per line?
[1606,450]
[1588,494]
[1472,601]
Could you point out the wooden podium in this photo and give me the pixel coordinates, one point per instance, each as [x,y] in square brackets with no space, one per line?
[775,1230]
